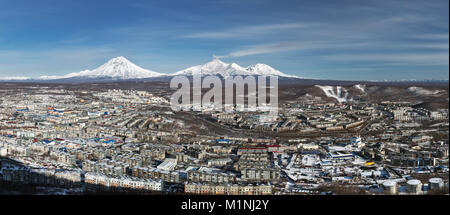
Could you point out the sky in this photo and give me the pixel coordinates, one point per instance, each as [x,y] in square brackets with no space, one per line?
[339,40]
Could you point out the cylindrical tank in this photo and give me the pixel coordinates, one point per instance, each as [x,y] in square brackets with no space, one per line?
[390,187]
[436,183]
[414,186]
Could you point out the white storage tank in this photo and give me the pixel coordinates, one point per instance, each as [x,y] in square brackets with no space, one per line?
[414,186]
[390,187]
[436,183]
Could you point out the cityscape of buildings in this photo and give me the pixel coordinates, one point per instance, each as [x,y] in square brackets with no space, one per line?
[55,140]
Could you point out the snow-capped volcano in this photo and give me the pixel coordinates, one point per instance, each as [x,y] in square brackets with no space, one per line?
[120,68]
[116,68]
[218,67]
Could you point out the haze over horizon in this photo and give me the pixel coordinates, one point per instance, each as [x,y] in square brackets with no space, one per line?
[340,40]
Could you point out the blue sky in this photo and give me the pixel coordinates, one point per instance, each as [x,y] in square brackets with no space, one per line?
[352,40]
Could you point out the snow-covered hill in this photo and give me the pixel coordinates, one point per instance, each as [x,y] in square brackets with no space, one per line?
[338,92]
[360,87]
[218,67]
[424,92]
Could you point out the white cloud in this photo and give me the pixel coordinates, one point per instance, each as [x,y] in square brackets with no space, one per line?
[292,46]
[247,31]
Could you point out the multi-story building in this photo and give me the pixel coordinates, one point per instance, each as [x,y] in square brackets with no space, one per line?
[252,174]
[227,189]
[102,182]
[215,177]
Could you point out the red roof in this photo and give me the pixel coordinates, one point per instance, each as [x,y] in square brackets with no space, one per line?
[254,148]
[274,146]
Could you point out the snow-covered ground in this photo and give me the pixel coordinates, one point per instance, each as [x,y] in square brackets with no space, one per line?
[360,87]
[338,92]
[423,91]
[408,125]
[439,124]
[310,160]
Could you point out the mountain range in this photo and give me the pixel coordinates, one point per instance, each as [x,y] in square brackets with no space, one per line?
[120,68]
[218,67]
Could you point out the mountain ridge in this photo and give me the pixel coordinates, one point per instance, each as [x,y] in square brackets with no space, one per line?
[218,67]
[120,68]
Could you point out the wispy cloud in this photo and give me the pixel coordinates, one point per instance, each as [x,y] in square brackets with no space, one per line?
[247,31]
[406,59]
[284,46]
[338,45]
[376,40]
[433,37]
[294,36]
[266,48]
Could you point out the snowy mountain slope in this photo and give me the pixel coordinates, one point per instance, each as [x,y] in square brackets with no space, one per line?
[17,78]
[117,68]
[218,67]
[338,92]
[424,92]
[121,68]
[214,67]
[360,87]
